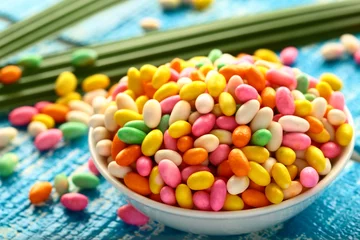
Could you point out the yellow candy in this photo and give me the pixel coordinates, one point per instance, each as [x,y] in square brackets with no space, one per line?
[223,136]
[324,89]
[183,196]
[217,110]
[69,97]
[227,104]
[130,93]
[167,90]
[152,142]
[274,193]
[205,69]
[140,102]
[344,134]
[147,72]
[256,153]
[65,83]
[96,81]
[134,81]
[267,55]
[201,4]
[192,90]
[45,119]
[216,84]
[161,76]
[285,155]
[262,69]
[258,174]
[293,170]
[303,108]
[179,128]
[315,158]
[333,80]
[155,181]
[322,137]
[123,116]
[281,175]
[233,203]
[200,180]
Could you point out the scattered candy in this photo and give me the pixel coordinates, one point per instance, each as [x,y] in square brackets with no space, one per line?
[40,192]
[83,57]
[31,61]
[85,180]
[7,134]
[10,74]
[8,163]
[131,215]
[150,24]
[332,51]
[61,184]
[74,201]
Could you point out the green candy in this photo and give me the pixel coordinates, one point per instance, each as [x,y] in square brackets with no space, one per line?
[221,65]
[72,130]
[309,96]
[131,135]
[261,137]
[164,123]
[85,180]
[199,65]
[214,55]
[138,124]
[61,184]
[8,163]
[31,61]
[84,57]
[302,83]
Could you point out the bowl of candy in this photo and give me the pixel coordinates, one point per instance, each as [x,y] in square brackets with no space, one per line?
[222,145]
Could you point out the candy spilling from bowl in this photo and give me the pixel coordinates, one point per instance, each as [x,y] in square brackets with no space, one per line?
[221,133]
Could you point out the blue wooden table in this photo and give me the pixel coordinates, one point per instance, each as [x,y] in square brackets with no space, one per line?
[335,215]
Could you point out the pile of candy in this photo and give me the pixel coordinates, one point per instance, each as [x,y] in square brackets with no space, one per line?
[222,132]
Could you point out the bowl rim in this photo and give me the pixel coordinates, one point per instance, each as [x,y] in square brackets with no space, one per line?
[329,178]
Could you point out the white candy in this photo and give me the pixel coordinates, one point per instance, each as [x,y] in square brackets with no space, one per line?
[7,134]
[291,123]
[99,104]
[266,64]
[78,116]
[183,81]
[103,147]
[109,120]
[336,117]
[97,120]
[350,42]
[224,136]
[36,128]
[89,96]
[181,111]
[171,155]
[124,101]
[208,141]
[292,191]
[314,91]
[204,103]
[297,95]
[329,128]
[117,170]
[318,107]
[268,164]
[81,106]
[100,133]
[150,24]
[300,164]
[332,51]
[152,113]
[193,117]
[247,112]
[236,185]
[327,167]
[277,136]
[210,74]
[262,119]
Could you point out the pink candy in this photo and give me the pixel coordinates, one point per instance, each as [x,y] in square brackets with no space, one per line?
[233,83]
[331,149]
[312,82]
[92,167]
[280,78]
[284,101]
[357,56]
[40,105]
[186,72]
[74,201]
[169,142]
[168,104]
[121,87]
[245,93]
[170,173]
[201,200]
[174,75]
[309,177]
[288,55]
[144,166]
[22,116]
[186,172]
[218,195]
[48,139]
[203,124]
[220,154]
[337,100]
[296,141]
[226,123]
[167,195]
[131,215]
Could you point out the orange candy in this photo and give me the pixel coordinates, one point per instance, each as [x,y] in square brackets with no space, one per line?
[176,64]
[10,74]
[231,70]
[316,125]
[128,155]
[56,111]
[254,198]
[268,97]
[224,169]
[195,156]
[238,162]
[241,136]
[148,89]
[112,89]
[137,183]
[328,108]
[184,143]
[117,146]
[256,187]
[255,78]
[40,192]
[197,76]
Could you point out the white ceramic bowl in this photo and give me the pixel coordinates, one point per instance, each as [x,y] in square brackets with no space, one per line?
[223,223]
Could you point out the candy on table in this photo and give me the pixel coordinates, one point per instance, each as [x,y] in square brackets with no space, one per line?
[348,43]
[61,184]
[40,192]
[30,61]
[74,201]
[150,24]
[8,163]
[170,4]
[201,4]
[219,142]
[84,57]
[131,215]
[10,74]
[332,51]
[288,55]
[7,134]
